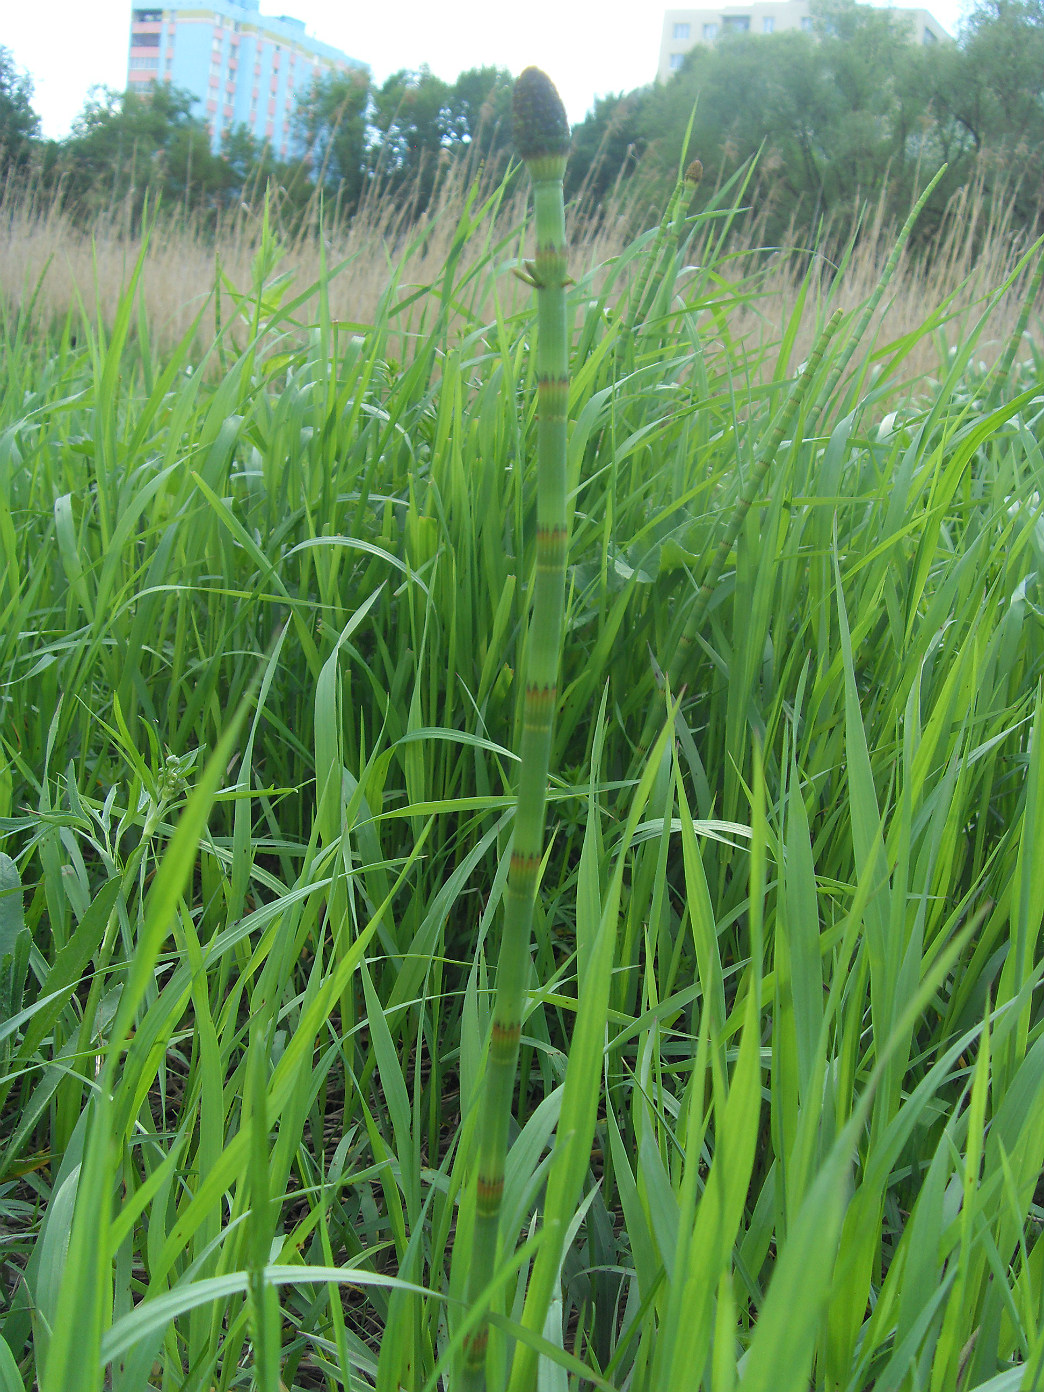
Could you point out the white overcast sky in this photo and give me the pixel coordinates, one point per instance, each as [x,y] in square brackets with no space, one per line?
[589,50]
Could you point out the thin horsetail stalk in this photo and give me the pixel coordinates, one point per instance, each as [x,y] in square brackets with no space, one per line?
[542,139]
[667,235]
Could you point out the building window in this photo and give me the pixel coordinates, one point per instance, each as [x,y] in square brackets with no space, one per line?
[736,24]
[768,24]
[929,38]
[144,63]
[710,33]
[806,24]
[148,16]
[677,59]
[145,41]
[682,31]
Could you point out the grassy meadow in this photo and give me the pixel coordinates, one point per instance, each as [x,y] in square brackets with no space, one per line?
[267,521]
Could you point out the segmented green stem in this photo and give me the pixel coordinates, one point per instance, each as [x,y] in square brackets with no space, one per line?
[667,237]
[542,136]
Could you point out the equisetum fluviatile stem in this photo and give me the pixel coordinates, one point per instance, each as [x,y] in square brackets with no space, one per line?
[667,238]
[542,139]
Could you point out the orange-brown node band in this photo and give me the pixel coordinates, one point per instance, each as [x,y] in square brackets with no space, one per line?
[553,389]
[550,554]
[489,1192]
[552,543]
[540,702]
[475,1345]
[505,1033]
[523,873]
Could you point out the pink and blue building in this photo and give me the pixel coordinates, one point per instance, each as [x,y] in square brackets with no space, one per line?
[243,68]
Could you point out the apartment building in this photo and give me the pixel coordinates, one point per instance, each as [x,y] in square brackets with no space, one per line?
[684,29]
[243,68]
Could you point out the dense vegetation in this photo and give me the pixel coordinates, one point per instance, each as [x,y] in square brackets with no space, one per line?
[264,619]
[836,115]
[830,118]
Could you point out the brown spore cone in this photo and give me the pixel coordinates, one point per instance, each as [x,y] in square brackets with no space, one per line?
[541,128]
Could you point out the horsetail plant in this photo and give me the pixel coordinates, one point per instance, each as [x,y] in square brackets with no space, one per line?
[667,237]
[541,134]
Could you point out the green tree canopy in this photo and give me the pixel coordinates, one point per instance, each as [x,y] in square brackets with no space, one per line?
[129,145]
[19,123]
[828,115]
[420,121]
[843,115]
[332,121]
[989,102]
[402,132]
[607,145]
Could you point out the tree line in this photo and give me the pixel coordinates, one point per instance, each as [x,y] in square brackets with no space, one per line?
[126,148]
[850,113]
[819,123]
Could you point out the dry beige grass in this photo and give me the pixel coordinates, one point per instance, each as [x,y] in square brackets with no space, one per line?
[49,259]
[960,278]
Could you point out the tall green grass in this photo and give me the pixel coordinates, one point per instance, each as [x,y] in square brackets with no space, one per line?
[261,650]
